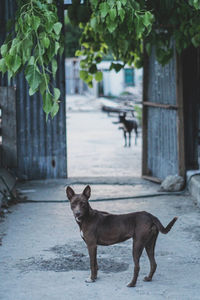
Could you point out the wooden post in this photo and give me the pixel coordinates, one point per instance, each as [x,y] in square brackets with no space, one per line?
[180,119]
[144,118]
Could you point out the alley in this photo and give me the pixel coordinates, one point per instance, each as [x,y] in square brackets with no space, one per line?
[96,145]
[42,255]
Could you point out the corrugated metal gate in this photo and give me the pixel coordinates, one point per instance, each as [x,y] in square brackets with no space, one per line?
[163,132]
[41,145]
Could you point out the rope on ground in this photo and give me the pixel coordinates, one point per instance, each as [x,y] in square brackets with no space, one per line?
[109,199]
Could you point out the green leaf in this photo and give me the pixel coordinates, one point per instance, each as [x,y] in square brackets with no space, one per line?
[111,3]
[93,69]
[147,19]
[32,92]
[117,67]
[83,75]
[104,8]
[42,86]
[16,63]
[113,14]
[47,103]
[121,13]
[9,61]
[139,26]
[78,53]
[56,93]
[93,22]
[99,76]
[35,22]
[45,42]
[57,46]
[4,49]
[33,77]
[54,109]
[54,67]
[90,84]
[31,60]
[94,3]
[3,67]
[119,5]
[111,25]
[57,27]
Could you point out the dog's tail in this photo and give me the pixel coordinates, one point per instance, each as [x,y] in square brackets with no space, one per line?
[163,229]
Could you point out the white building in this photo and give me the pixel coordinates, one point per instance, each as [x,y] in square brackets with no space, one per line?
[113,83]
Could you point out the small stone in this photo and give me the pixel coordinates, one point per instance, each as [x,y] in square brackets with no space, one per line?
[172,183]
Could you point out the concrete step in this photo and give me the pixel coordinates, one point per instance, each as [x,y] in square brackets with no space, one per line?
[193,181]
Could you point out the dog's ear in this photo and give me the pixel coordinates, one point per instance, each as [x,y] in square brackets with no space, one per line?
[70,193]
[87,192]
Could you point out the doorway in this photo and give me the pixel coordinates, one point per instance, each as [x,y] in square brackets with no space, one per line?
[95,141]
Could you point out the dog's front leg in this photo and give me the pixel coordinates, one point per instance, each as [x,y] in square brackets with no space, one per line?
[92,250]
[129,139]
[125,139]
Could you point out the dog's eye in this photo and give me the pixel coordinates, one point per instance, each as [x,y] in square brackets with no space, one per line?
[82,204]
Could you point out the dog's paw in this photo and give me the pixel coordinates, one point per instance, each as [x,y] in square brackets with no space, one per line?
[89,280]
[131,284]
[147,279]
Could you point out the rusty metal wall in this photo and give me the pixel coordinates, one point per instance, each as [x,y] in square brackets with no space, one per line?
[161,123]
[41,145]
[161,81]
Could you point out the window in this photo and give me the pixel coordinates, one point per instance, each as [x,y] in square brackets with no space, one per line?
[129,77]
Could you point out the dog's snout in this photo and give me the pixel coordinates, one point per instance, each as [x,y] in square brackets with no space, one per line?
[77,213]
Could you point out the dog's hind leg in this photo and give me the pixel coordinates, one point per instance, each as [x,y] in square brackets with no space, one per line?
[138,247]
[150,247]
[129,137]
[125,139]
[136,135]
[96,264]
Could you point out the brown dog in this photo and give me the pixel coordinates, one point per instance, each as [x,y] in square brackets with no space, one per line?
[102,228]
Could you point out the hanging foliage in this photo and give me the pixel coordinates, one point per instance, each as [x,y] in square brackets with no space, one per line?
[123,27]
[33,47]
[119,27]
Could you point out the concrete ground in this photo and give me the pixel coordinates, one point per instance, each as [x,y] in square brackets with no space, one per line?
[42,255]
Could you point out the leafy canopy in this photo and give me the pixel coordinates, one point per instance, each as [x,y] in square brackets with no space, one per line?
[125,26]
[33,46]
[120,27]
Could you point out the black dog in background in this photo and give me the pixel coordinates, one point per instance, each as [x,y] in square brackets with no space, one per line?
[128,126]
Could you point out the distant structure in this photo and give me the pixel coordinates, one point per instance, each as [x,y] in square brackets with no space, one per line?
[113,84]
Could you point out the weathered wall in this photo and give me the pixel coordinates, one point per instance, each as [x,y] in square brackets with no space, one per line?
[191,96]
[41,145]
[161,156]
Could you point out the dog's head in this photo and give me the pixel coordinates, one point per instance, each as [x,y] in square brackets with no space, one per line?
[79,202]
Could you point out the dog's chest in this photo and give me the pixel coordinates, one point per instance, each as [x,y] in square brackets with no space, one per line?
[81,233]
